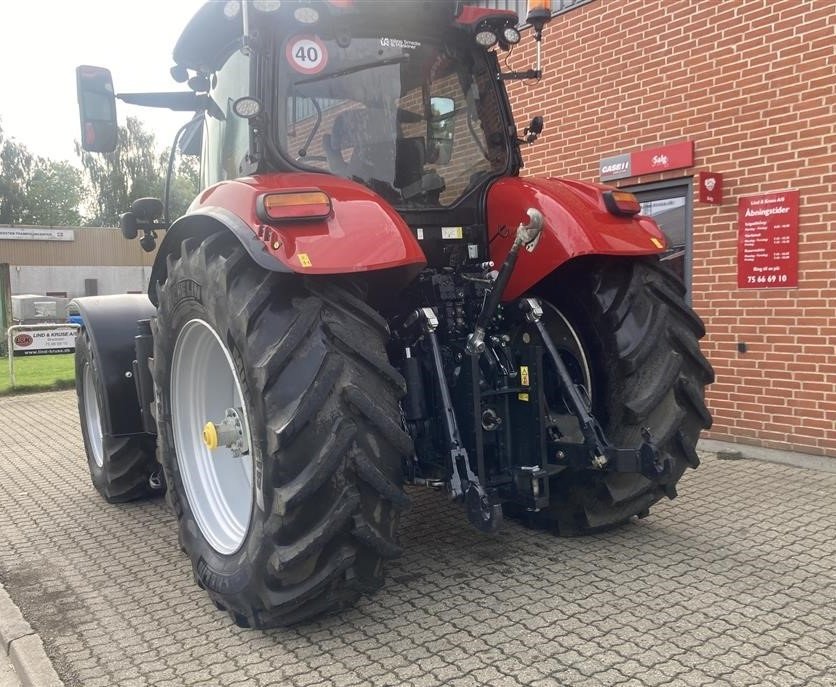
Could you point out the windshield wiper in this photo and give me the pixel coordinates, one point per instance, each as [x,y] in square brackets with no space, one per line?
[352,70]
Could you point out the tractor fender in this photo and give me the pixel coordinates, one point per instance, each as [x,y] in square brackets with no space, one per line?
[201,223]
[362,233]
[576,222]
[111,324]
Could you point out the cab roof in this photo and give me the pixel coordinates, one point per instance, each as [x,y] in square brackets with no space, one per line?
[217,27]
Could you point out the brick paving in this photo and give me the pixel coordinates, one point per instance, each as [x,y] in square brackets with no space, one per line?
[732,583]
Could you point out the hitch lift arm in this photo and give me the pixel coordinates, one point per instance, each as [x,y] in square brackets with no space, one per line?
[645,459]
[464,483]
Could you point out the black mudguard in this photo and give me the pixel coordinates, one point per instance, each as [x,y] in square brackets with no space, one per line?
[111,323]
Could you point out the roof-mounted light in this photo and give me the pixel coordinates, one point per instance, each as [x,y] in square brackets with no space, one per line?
[247,107]
[510,35]
[306,15]
[231,9]
[486,37]
[267,6]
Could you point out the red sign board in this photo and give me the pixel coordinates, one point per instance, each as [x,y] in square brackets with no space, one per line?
[673,156]
[711,188]
[767,241]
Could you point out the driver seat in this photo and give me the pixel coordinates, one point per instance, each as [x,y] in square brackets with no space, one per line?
[370,136]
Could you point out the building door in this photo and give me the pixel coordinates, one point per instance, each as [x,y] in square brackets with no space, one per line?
[669,203]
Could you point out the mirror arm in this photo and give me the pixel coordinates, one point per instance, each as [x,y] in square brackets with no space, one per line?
[527,74]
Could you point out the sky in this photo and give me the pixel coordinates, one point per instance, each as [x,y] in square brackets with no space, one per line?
[42,42]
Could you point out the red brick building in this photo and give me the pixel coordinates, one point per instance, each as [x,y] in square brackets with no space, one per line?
[752,83]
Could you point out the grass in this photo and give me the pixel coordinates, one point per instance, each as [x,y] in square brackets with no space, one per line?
[38,373]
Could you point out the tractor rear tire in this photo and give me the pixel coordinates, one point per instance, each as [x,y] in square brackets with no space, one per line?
[120,467]
[325,438]
[647,370]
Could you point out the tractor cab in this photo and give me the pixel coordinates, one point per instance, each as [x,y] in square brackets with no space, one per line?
[413,109]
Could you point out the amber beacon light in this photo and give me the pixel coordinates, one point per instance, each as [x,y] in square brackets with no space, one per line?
[539,13]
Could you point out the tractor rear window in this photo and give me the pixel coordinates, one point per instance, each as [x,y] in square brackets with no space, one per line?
[417,122]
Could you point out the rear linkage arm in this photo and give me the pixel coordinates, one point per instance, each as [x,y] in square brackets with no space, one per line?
[464,483]
[482,511]
[645,459]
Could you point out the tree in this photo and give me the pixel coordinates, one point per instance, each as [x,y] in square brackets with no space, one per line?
[184,184]
[37,190]
[134,171]
[118,178]
[54,194]
[15,171]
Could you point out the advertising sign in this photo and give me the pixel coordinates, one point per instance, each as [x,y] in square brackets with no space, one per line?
[663,158]
[767,241]
[659,159]
[36,234]
[615,167]
[44,341]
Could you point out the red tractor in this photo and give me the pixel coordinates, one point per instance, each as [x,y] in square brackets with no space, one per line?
[366,294]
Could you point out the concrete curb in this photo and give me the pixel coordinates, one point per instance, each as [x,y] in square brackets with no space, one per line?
[770,455]
[24,647]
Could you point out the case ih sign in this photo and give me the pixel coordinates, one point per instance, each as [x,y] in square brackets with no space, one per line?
[661,159]
[767,241]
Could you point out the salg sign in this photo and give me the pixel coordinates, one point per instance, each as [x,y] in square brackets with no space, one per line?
[659,159]
[767,240]
[44,341]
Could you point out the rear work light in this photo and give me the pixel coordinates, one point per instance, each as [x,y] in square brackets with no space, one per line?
[303,205]
[622,203]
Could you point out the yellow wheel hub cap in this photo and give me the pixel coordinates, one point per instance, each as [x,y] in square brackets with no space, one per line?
[210,436]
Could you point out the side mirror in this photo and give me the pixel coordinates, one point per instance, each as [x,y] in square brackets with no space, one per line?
[147,209]
[440,128]
[536,126]
[97,109]
[532,131]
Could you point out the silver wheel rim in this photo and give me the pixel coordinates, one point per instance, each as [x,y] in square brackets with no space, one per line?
[92,417]
[218,485]
[579,352]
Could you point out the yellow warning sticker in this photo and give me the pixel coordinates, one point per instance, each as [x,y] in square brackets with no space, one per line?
[451,232]
[522,397]
[657,242]
[524,375]
[304,260]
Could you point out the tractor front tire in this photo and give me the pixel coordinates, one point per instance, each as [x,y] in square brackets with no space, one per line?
[641,340]
[321,485]
[120,467]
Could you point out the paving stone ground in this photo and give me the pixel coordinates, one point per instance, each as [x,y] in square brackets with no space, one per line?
[733,583]
[8,678]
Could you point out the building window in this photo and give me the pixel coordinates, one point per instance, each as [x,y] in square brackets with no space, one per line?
[669,204]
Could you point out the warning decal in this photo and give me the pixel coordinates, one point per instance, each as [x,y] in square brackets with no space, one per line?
[306,54]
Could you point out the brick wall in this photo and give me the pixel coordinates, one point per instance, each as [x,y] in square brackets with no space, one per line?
[753,83]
